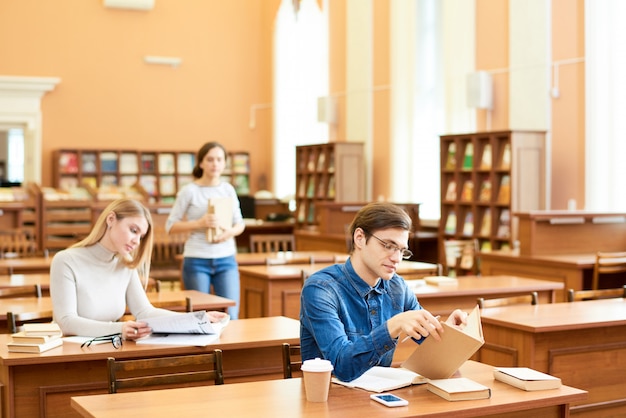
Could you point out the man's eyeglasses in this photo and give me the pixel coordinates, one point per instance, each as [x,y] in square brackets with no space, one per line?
[116,340]
[392,249]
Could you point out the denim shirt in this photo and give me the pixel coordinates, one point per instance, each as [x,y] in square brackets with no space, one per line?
[344,320]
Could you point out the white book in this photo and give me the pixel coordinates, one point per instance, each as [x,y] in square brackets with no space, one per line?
[381,379]
[14,347]
[458,389]
[526,379]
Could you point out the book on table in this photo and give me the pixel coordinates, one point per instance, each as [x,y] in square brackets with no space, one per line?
[441,359]
[15,347]
[23,338]
[38,329]
[458,389]
[381,379]
[526,379]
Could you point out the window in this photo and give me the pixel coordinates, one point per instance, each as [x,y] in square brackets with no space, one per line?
[15,150]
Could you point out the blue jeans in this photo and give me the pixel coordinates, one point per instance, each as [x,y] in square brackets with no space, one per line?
[222,273]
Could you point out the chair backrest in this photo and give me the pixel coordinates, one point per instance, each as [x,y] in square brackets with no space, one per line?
[269,243]
[593,294]
[460,257]
[14,319]
[189,370]
[607,263]
[292,360]
[530,299]
[17,243]
[20,291]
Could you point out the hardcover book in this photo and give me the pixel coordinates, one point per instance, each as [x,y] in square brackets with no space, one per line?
[37,329]
[485,161]
[451,190]
[467,195]
[468,159]
[441,359]
[458,389]
[15,347]
[451,160]
[526,379]
[223,208]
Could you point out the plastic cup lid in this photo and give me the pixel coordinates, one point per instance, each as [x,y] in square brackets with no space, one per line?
[316,365]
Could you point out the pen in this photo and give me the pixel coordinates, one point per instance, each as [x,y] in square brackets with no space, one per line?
[408,336]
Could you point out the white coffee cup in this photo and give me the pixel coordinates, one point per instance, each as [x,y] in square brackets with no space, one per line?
[316,375]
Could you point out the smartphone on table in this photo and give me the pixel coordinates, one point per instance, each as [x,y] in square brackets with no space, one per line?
[389,399]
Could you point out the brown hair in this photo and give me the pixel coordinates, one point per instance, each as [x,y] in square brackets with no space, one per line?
[202,152]
[378,215]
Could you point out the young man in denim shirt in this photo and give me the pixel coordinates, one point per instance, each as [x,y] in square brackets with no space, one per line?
[352,314]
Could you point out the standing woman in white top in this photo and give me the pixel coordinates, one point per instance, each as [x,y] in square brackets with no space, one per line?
[208,263]
[93,281]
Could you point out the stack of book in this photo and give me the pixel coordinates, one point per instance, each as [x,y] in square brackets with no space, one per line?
[36,338]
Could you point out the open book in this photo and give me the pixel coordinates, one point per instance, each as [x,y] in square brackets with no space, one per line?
[223,208]
[440,359]
[189,329]
[381,379]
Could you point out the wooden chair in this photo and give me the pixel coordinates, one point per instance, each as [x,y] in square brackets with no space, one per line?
[530,299]
[15,319]
[189,370]
[292,360]
[17,243]
[607,263]
[460,257]
[164,265]
[269,243]
[593,294]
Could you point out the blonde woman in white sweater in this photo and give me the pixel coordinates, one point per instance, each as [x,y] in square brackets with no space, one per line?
[93,281]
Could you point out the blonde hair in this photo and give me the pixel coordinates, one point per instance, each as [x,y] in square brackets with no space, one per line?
[125,208]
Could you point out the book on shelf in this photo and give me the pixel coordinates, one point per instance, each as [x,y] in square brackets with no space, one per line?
[321,161]
[505,164]
[311,213]
[90,182]
[185,161]
[504,194]
[441,359]
[241,163]
[485,226]
[451,157]
[23,338]
[485,246]
[382,379]
[526,379]
[15,347]
[310,190]
[128,181]
[468,158]
[148,163]
[504,224]
[149,184]
[89,162]
[331,187]
[68,162]
[311,164]
[241,184]
[331,161]
[468,224]
[302,187]
[485,190]
[222,207]
[485,160]
[302,212]
[68,183]
[450,227]
[167,186]
[39,329]
[467,193]
[108,162]
[108,180]
[321,189]
[458,389]
[451,190]
[129,163]
[166,163]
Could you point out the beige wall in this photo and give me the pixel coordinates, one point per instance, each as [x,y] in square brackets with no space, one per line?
[109,98]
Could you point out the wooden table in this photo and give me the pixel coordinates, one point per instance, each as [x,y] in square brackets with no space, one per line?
[40,385]
[573,270]
[11,280]
[583,343]
[168,300]
[286,397]
[289,257]
[275,290]
[25,265]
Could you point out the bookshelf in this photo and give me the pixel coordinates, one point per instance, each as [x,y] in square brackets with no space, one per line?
[331,172]
[237,172]
[485,178]
[65,217]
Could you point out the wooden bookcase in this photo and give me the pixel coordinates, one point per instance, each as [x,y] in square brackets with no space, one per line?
[20,209]
[332,172]
[485,178]
[64,219]
[160,173]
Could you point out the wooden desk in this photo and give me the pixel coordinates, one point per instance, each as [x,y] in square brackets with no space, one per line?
[11,280]
[41,385]
[286,397]
[168,300]
[290,257]
[25,265]
[583,343]
[275,290]
[569,269]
